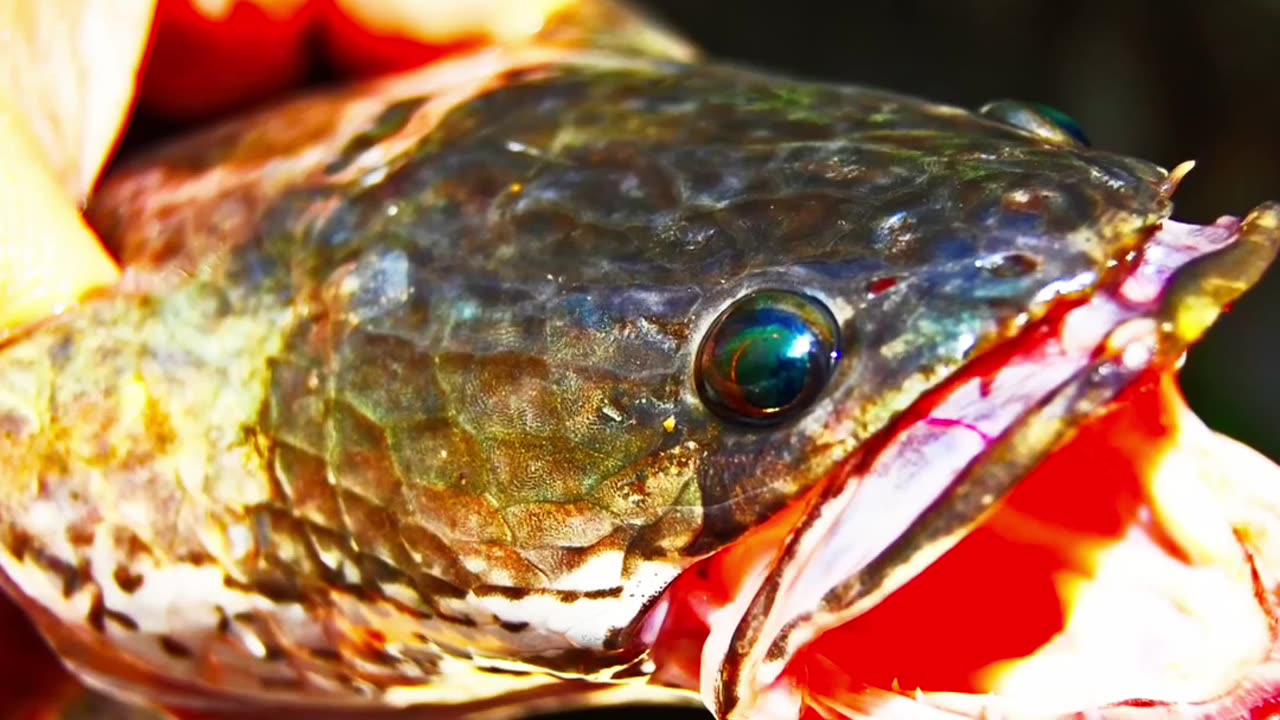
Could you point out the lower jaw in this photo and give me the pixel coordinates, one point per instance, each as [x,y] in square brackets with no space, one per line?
[1131,574]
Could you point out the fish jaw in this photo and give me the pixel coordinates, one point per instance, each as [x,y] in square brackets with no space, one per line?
[773,613]
[1147,583]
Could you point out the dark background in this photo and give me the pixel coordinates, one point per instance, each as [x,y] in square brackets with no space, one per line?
[1166,80]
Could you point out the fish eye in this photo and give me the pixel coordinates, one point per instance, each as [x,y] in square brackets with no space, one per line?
[1041,120]
[767,357]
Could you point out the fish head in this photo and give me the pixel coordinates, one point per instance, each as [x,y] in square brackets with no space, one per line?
[910,310]
[845,326]
[765,272]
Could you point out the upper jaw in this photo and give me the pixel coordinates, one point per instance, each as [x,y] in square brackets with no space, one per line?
[885,516]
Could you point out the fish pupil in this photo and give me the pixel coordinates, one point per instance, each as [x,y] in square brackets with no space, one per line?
[767,357]
[771,364]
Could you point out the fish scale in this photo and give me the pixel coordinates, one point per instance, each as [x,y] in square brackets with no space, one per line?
[401,410]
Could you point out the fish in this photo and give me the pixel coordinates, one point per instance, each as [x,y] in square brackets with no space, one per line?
[586,371]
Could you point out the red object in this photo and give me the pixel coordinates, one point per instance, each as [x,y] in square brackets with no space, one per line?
[197,67]
[33,684]
[354,49]
[879,285]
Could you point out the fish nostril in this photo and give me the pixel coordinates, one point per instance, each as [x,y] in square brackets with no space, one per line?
[881,284]
[1010,264]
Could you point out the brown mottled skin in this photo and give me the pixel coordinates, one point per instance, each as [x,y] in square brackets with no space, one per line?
[364,383]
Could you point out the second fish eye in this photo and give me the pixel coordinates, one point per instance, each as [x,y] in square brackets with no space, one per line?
[1042,120]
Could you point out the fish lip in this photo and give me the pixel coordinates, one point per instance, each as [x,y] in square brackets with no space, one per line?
[1184,277]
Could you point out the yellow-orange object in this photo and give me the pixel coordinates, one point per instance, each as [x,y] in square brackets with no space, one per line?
[48,256]
[66,79]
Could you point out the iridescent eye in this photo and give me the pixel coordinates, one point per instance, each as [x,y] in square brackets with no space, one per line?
[767,357]
[1047,122]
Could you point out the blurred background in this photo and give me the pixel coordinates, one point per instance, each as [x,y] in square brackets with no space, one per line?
[1165,80]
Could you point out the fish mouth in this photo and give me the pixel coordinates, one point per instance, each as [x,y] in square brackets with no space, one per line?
[1050,534]
[1133,571]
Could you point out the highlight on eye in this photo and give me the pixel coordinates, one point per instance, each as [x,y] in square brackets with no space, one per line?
[767,357]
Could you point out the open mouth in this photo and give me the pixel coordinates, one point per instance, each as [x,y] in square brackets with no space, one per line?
[1055,535]
[1128,572]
